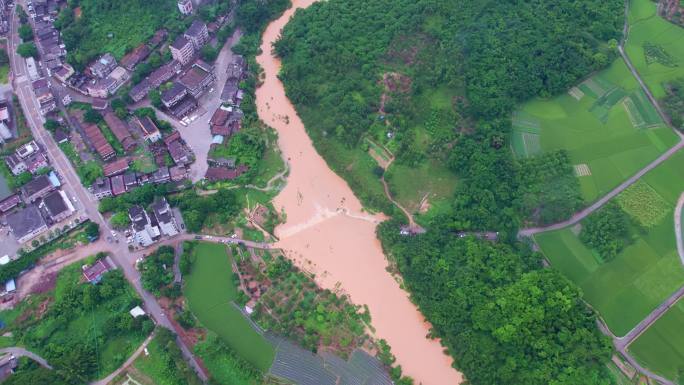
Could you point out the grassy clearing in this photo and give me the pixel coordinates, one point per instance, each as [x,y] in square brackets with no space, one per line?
[164,364]
[209,290]
[271,162]
[143,162]
[611,128]
[661,347]
[4,72]
[654,46]
[627,288]
[410,184]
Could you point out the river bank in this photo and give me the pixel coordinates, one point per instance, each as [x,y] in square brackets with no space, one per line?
[328,233]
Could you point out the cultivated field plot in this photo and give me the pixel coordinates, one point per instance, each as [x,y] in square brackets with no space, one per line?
[654,46]
[605,123]
[661,347]
[627,288]
[209,290]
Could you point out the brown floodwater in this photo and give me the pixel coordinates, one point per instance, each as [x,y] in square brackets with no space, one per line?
[328,233]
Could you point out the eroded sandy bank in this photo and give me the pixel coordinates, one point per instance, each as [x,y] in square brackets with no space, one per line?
[328,233]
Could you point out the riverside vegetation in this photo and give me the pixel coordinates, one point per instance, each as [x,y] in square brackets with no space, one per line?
[501,316]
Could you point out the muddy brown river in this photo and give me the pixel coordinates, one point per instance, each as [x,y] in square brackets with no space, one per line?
[328,233]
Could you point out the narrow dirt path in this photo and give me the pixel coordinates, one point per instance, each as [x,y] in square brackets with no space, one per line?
[126,364]
[388,194]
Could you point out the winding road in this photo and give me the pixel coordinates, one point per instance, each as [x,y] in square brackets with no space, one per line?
[21,352]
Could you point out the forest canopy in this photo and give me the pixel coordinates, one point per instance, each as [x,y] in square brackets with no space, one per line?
[441,78]
[489,56]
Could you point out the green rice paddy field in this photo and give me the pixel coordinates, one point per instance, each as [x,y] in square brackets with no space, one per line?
[605,123]
[661,347]
[209,290]
[627,288]
[654,46]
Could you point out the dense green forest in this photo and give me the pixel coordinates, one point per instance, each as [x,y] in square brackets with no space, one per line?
[504,318]
[673,103]
[607,231]
[487,56]
[92,27]
[437,79]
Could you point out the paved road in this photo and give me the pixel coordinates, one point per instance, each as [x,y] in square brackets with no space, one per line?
[624,341]
[197,134]
[119,251]
[599,203]
[126,364]
[21,352]
[678,227]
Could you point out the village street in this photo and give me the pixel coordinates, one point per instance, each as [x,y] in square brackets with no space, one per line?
[119,251]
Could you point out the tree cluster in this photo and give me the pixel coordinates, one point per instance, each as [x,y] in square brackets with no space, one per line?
[606,231]
[143,195]
[175,368]
[504,318]
[673,103]
[156,270]
[114,26]
[198,210]
[75,356]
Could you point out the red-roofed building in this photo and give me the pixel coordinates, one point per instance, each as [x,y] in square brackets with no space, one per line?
[117,167]
[94,273]
[98,141]
[218,173]
[120,130]
[172,138]
[118,186]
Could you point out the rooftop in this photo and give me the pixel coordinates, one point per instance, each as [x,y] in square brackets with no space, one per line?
[54,203]
[180,42]
[194,77]
[37,185]
[116,167]
[118,126]
[94,273]
[24,222]
[147,125]
[196,28]
[172,93]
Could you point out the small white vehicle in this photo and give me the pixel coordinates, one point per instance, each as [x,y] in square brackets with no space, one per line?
[113,233]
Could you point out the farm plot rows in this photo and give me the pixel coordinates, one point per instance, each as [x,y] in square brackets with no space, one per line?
[605,123]
[627,288]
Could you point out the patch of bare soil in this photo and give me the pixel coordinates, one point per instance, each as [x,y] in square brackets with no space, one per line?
[171,307]
[393,83]
[34,313]
[424,204]
[46,283]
